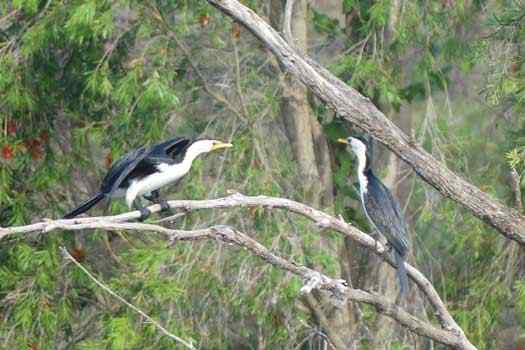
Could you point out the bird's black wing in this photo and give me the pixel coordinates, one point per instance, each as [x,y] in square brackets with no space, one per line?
[122,168]
[384,212]
[174,148]
[142,162]
[170,151]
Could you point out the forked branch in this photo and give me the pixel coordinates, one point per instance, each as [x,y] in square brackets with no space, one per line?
[323,220]
[313,279]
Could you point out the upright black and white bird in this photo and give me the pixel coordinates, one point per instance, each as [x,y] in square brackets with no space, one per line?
[144,170]
[381,208]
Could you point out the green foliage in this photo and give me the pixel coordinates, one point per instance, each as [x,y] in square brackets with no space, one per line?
[379,13]
[28,6]
[520,298]
[84,81]
[99,79]
[121,334]
[324,24]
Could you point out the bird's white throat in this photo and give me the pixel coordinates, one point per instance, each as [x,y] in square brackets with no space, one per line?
[360,152]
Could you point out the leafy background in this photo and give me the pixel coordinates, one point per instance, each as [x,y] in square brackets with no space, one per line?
[81,82]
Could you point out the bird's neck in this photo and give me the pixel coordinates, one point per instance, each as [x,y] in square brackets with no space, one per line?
[189,157]
[362,168]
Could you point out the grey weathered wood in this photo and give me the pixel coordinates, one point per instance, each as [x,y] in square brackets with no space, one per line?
[357,109]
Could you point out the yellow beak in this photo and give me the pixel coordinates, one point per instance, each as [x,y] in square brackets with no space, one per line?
[221,145]
[345,141]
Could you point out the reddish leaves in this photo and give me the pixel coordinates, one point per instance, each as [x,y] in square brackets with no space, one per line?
[7,152]
[109,160]
[79,254]
[35,146]
[44,136]
[256,163]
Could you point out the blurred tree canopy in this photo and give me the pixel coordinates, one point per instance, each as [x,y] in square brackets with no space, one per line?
[83,81]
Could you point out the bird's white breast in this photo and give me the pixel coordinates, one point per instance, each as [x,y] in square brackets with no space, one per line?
[166,174]
[363,183]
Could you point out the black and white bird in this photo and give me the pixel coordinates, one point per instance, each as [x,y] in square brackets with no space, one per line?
[143,171]
[381,208]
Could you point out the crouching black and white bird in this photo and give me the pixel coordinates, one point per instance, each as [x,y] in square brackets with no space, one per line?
[381,208]
[143,171]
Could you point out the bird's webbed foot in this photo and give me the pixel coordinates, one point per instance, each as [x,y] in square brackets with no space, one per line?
[154,197]
[144,214]
[378,239]
[164,206]
[375,237]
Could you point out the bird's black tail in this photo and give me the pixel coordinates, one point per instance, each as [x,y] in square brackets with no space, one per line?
[85,206]
[401,273]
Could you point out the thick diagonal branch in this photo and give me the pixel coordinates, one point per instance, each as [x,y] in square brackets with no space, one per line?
[357,109]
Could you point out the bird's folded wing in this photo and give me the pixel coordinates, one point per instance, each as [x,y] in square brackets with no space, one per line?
[122,168]
[383,210]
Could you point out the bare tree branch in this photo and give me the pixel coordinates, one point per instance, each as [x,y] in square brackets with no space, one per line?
[186,344]
[313,279]
[322,220]
[317,280]
[357,109]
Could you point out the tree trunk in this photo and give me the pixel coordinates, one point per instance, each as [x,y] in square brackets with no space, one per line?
[302,127]
[311,152]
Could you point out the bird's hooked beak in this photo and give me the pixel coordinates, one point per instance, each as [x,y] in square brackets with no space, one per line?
[345,141]
[220,145]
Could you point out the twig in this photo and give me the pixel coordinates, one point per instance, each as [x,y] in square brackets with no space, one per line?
[24,29]
[187,344]
[515,186]
[287,25]
[238,87]
[317,280]
[172,35]
[170,218]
